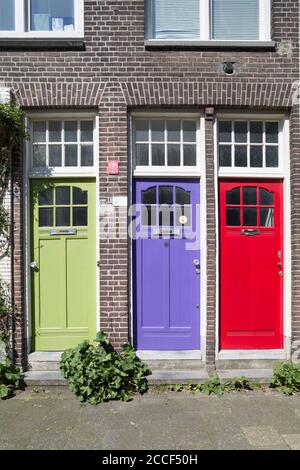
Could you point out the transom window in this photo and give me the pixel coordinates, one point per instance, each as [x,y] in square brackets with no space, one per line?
[166,206]
[248,144]
[165,143]
[63,207]
[61,144]
[41,18]
[250,206]
[225,20]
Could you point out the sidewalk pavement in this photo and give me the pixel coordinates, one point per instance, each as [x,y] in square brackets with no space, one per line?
[51,418]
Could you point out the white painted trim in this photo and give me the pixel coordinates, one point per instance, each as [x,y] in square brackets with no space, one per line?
[21,32]
[168,355]
[97,215]
[250,172]
[63,171]
[240,354]
[27,177]
[285,176]
[205,20]
[171,171]
[265,20]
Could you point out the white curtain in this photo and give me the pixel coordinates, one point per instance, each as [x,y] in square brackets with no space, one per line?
[7,15]
[235,19]
[176,19]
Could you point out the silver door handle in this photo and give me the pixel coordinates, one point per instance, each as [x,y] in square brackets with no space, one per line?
[196,262]
[34,265]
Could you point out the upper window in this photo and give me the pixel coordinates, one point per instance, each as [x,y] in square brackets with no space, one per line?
[249,144]
[165,144]
[202,20]
[66,145]
[41,18]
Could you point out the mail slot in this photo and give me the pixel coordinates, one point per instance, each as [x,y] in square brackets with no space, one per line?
[166,232]
[250,233]
[72,231]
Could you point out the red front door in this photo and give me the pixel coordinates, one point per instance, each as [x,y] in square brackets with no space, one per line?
[251,265]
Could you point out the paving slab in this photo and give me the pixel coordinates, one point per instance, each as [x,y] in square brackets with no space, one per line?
[51,418]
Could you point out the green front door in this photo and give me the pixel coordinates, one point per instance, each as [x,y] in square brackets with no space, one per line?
[63,262]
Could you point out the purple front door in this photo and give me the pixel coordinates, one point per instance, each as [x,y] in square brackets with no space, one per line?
[166,260]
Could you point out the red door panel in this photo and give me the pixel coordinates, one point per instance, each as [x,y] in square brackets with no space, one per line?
[251,265]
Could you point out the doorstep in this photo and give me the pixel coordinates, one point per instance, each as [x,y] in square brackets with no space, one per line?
[262,376]
[161,377]
[44,378]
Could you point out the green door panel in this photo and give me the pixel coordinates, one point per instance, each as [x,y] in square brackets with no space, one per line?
[63,244]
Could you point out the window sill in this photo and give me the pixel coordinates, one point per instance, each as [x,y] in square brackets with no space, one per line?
[212,44]
[41,42]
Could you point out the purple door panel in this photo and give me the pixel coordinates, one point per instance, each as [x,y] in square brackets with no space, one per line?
[166,260]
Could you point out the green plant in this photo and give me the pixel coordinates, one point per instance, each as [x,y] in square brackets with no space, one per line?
[9,377]
[12,132]
[286,378]
[6,311]
[238,384]
[213,385]
[98,373]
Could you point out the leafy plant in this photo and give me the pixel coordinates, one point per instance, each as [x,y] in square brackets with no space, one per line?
[12,132]
[10,376]
[6,311]
[239,384]
[286,378]
[213,385]
[98,373]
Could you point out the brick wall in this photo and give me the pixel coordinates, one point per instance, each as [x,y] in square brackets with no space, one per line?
[115,73]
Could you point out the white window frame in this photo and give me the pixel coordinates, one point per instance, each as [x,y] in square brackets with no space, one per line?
[21,20]
[248,171]
[89,171]
[206,27]
[172,171]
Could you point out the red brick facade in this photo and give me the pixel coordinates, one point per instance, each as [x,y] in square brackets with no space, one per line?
[115,74]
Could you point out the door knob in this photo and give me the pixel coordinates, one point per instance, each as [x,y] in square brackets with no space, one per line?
[280,273]
[34,265]
[196,262]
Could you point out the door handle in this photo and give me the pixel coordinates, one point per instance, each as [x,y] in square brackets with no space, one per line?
[34,265]
[196,262]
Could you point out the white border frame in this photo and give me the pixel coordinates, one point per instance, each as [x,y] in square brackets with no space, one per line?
[200,176]
[169,171]
[27,177]
[79,171]
[283,175]
[21,20]
[206,26]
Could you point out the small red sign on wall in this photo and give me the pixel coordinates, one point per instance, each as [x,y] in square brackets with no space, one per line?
[113,167]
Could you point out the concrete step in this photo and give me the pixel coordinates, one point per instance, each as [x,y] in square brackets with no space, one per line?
[173,377]
[160,377]
[176,365]
[44,378]
[44,361]
[262,376]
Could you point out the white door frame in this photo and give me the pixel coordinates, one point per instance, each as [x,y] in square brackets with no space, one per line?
[201,176]
[284,175]
[28,175]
